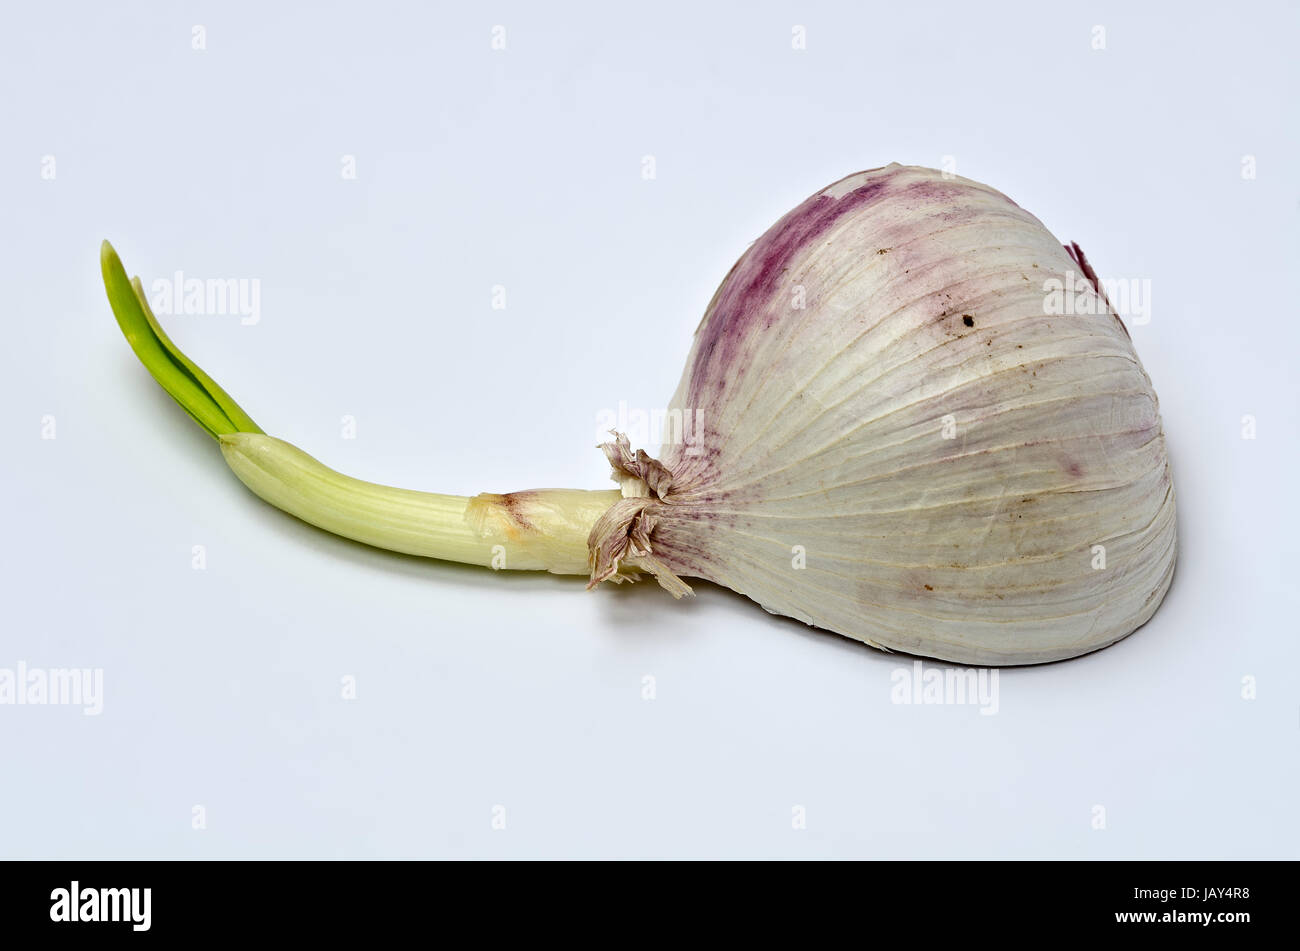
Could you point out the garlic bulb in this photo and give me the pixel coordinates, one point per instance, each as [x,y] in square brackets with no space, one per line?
[901,444]
[898,441]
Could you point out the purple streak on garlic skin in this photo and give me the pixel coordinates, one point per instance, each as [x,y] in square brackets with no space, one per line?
[746,295]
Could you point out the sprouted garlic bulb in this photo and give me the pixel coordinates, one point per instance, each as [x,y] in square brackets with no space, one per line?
[894,439]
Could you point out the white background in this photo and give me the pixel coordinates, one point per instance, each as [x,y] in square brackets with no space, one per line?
[523,168]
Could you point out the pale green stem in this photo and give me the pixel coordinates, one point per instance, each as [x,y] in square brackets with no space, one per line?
[541,529]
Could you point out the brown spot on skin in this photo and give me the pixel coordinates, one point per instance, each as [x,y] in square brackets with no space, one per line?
[929,587]
[512,503]
[884,250]
[968,320]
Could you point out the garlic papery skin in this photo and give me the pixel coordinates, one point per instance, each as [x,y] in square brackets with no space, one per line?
[902,444]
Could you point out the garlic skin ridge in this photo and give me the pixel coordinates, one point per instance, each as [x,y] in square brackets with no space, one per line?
[967,476]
